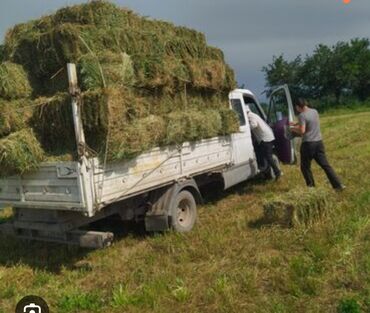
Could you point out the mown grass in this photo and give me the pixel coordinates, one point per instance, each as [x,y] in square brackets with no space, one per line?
[230,262]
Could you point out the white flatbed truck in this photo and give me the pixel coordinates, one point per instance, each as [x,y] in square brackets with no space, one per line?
[161,186]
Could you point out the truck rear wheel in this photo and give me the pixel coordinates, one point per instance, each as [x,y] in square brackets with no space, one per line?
[184,212]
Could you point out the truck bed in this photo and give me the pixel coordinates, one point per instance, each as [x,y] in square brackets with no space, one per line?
[90,185]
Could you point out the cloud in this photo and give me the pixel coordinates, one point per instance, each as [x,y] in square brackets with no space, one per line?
[249,31]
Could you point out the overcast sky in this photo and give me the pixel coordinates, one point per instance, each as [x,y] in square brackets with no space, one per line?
[250,32]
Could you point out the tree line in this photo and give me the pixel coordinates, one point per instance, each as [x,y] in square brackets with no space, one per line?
[331,73]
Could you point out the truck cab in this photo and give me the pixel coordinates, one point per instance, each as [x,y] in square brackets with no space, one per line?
[279,113]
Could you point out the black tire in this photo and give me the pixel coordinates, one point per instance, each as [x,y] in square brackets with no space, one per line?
[184,212]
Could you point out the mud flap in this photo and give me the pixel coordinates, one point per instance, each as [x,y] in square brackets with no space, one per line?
[156,223]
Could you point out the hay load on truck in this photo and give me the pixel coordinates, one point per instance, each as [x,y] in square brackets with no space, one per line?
[136,139]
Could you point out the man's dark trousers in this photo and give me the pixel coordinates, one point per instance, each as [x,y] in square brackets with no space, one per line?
[315,150]
[266,150]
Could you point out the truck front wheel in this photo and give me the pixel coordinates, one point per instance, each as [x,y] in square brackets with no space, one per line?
[184,212]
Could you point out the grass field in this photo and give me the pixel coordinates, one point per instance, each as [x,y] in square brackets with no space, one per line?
[231,262]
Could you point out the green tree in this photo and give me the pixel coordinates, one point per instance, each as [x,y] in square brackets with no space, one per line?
[315,71]
[281,71]
[324,72]
[358,56]
[342,69]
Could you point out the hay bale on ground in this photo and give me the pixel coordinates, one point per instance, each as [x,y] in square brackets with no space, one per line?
[20,152]
[299,206]
[14,82]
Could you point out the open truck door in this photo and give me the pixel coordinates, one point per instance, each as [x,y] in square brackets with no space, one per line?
[280,114]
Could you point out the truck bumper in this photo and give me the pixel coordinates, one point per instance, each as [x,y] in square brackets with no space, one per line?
[82,238]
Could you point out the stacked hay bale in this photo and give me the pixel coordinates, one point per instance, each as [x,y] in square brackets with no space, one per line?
[136,74]
[20,151]
[298,206]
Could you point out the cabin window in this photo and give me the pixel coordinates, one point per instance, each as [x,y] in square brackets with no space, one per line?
[238,108]
[279,108]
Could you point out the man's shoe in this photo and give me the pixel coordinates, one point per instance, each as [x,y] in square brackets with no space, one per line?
[340,188]
[277,177]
